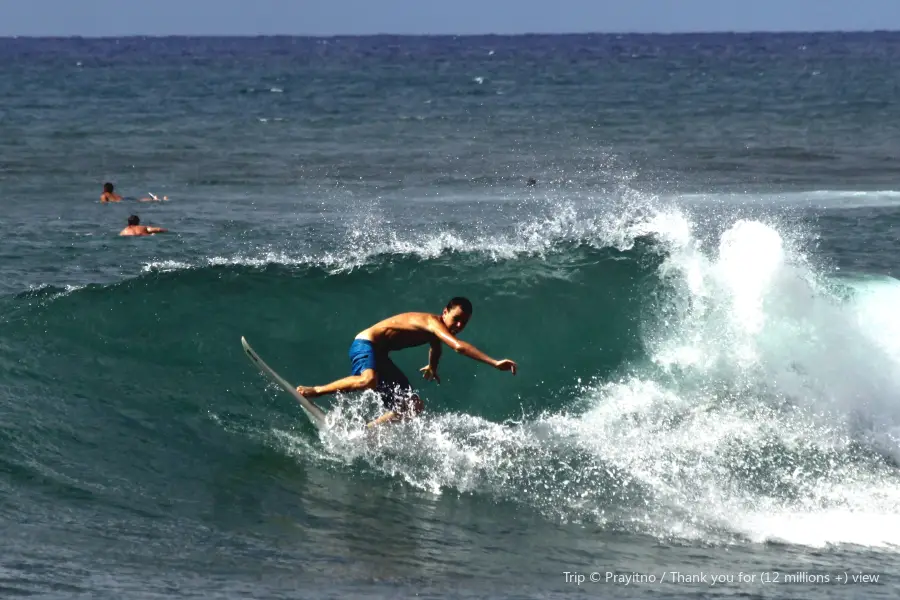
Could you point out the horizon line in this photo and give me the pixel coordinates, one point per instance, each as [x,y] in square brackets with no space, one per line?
[449,35]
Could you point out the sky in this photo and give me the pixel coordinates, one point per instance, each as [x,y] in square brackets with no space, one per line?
[92,18]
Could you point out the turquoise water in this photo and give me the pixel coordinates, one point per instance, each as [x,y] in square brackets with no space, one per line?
[700,292]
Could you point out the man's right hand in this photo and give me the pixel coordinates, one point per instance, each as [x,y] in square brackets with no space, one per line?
[507,365]
[430,374]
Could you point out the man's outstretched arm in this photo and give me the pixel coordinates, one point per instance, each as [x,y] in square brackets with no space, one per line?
[467,349]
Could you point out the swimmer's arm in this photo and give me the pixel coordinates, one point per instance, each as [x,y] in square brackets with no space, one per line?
[156,230]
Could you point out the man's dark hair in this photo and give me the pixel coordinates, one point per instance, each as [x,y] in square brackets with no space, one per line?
[134,220]
[461,302]
[108,187]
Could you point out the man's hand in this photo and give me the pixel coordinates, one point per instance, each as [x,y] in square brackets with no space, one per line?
[506,365]
[307,392]
[428,373]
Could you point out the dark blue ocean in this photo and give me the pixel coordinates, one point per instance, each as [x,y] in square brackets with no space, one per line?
[700,287]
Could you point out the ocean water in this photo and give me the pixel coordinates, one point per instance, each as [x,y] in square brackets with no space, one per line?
[700,290]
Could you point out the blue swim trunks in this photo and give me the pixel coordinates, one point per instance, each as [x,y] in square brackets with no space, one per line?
[393,386]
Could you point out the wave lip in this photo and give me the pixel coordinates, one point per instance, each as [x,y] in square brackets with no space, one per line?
[832,199]
[566,226]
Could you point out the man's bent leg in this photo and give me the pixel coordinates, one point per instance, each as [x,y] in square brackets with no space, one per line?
[407,406]
[396,393]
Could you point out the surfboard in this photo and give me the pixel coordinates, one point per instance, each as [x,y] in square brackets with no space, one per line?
[316,415]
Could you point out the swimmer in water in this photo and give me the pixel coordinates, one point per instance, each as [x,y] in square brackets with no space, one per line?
[135,228]
[108,194]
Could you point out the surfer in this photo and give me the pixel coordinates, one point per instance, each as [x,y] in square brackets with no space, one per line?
[371,367]
[108,194]
[135,228]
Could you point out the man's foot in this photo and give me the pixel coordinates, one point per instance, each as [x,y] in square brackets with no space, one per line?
[407,409]
[388,417]
[307,392]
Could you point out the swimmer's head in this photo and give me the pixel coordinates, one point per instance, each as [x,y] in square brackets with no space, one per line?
[108,188]
[133,220]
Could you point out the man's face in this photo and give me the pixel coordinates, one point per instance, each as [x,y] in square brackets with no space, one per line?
[455,319]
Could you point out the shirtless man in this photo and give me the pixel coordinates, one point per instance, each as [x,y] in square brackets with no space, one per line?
[135,228]
[108,194]
[371,368]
